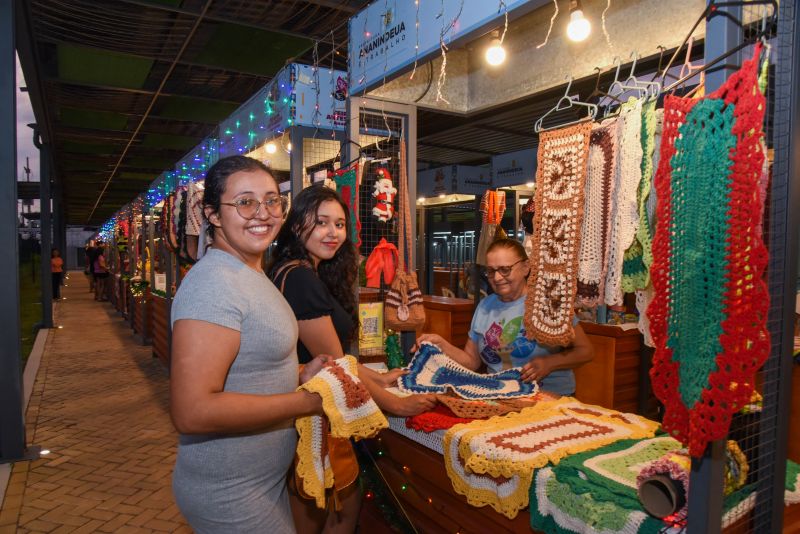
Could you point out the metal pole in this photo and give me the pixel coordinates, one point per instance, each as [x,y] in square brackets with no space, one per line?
[707,476]
[296,170]
[46,228]
[12,424]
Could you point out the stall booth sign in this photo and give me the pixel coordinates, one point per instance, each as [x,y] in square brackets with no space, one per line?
[514,168]
[193,166]
[290,99]
[453,179]
[160,282]
[384,41]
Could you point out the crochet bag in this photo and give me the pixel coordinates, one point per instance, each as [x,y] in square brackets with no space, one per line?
[404,309]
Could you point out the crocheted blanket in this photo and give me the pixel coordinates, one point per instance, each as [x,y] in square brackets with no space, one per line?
[559,199]
[625,212]
[350,411]
[595,231]
[708,318]
[431,371]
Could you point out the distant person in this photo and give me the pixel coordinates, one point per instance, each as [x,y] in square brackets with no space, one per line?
[57,271]
[100,271]
[90,254]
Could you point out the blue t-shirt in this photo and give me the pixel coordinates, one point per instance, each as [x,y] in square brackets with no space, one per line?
[498,330]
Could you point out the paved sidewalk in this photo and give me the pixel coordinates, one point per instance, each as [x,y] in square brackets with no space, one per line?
[100,404]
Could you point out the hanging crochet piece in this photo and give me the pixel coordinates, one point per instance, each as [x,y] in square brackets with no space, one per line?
[560,179]
[595,232]
[431,371]
[352,414]
[708,317]
[194,217]
[383,261]
[493,206]
[384,194]
[347,187]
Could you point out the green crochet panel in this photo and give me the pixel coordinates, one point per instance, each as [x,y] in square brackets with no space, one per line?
[701,177]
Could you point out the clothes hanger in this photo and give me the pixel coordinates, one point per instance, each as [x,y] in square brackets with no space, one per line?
[598,93]
[339,154]
[631,83]
[566,102]
[652,88]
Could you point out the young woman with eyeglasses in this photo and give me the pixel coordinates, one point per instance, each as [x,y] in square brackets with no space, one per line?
[234,370]
[497,334]
[315,264]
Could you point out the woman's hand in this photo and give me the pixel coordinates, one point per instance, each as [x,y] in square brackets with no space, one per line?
[536,369]
[436,339]
[313,367]
[389,379]
[413,405]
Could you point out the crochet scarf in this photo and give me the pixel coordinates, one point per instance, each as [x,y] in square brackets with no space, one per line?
[592,266]
[625,214]
[708,318]
[493,206]
[560,178]
[431,371]
[639,256]
[347,181]
[350,411]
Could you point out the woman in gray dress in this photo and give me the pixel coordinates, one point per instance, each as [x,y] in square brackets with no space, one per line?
[234,367]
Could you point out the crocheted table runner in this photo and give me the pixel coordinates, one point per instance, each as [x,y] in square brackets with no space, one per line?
[595,231]
[625,213]
[517,443]
[351,413]
[708,318]
[559,199]
[430,371]
[639,256]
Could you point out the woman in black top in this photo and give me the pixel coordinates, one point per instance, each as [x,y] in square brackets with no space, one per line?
[316,265]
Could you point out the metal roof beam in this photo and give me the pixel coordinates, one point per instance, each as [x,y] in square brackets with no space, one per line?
[457,148]
[138,91]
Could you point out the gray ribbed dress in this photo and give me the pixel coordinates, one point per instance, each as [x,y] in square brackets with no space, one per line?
[237,483]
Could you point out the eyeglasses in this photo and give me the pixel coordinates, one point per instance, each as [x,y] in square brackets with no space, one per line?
[504,271]
[248,208]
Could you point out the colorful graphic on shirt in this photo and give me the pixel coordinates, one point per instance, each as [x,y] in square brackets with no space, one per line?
[505,342]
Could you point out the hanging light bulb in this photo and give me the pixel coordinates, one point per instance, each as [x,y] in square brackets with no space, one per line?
[579,27]
[495,54]
[271,148]
[289,147]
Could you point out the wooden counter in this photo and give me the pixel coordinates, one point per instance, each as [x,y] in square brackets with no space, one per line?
[448,317]
[794,416]
[141,310]
[160,328]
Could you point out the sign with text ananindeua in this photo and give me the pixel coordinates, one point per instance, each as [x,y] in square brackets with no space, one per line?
[386,37]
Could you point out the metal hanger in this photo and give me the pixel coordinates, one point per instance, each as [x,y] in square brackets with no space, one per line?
[566,102]
[339,154]
[598,93]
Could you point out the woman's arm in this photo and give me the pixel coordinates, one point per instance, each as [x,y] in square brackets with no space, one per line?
[202,353]
[468,356]
[319,337]
[580,352]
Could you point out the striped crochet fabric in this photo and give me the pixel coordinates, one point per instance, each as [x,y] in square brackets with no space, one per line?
[559,199]
[708,318]
[351,413]
[194,209]
[431,371]
[595,231]
[625,214]
[485,408]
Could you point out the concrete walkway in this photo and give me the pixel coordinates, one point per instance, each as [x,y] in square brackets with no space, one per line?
[100,405]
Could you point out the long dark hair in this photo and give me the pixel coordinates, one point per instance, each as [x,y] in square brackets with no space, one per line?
[217,179]
[339,274]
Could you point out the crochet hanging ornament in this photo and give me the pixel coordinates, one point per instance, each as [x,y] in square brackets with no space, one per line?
[352,414]
[347,186]
[384,194]
[708,318]
[431,371]
[561,175]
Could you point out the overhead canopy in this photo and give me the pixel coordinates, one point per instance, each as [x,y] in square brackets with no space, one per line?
[123,89]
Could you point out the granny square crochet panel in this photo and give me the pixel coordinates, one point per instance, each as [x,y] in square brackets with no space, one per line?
[351,413]
[708,317]
[595,232]
[431,371]
[559,200]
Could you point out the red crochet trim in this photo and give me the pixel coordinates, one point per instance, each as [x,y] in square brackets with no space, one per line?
[745,340]
[440,418]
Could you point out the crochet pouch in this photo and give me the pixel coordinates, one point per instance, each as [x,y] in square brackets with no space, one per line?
[404,310]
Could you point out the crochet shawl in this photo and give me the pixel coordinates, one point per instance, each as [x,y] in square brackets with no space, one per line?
[625,214]
[351,413]
[560,178]
[708,318]
[639,256]
[595,232]
[431,371]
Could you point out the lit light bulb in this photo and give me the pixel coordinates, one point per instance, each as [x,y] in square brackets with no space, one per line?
[495,54]
[289,147]
[271,148]
[579,27]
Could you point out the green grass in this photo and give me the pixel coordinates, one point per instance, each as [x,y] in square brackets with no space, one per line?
[30,300]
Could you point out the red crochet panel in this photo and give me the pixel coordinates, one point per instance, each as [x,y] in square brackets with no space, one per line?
[745,340]
[440,418]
